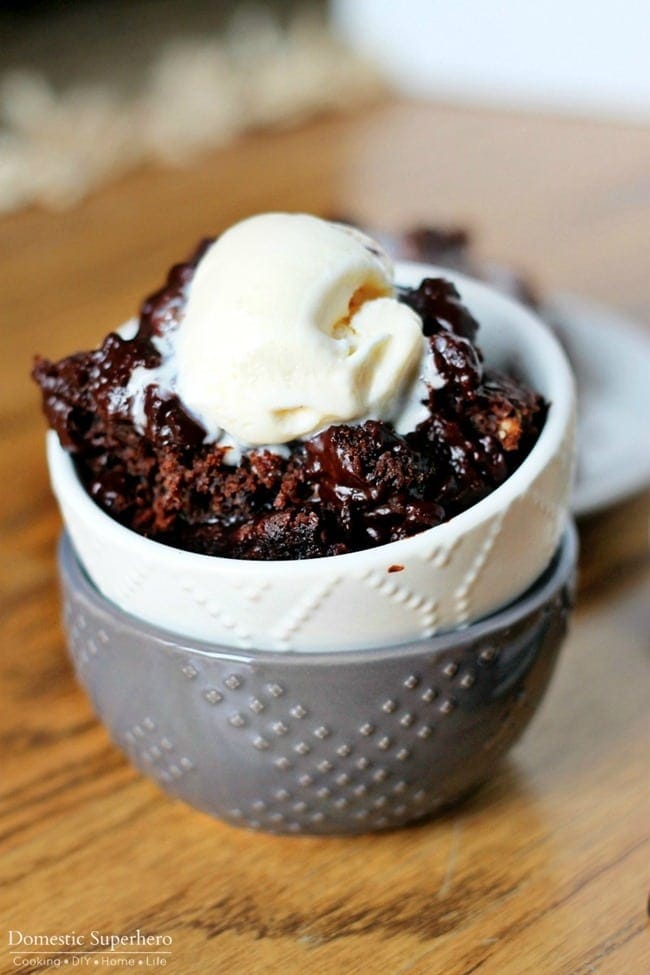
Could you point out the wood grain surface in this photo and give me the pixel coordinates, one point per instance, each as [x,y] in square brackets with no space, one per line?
[545,870]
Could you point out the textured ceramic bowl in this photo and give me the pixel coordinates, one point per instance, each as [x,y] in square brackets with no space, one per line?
[448,576]
[333,742]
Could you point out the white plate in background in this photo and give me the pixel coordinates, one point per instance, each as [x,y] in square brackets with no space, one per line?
[611,357]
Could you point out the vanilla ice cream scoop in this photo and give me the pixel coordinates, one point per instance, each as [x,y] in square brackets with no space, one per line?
[292,325]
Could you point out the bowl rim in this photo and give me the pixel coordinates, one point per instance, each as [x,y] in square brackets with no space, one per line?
[541,592]
[69,488]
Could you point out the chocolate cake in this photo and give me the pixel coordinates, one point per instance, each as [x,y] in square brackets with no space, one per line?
[348,488]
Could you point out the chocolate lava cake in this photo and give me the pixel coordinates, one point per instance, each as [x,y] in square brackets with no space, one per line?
[348,488]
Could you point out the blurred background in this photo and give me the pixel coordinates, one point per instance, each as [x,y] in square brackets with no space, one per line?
[92,88]
[560,55]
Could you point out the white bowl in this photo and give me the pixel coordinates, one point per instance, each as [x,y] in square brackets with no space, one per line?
[451,575]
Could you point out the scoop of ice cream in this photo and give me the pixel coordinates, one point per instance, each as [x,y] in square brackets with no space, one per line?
[291,325]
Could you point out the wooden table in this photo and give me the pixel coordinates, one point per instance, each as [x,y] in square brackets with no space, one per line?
[545,870]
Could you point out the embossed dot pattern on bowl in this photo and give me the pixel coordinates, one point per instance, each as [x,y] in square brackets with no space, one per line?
[326,743]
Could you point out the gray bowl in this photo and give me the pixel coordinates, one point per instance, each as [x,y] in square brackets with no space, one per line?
[337,742]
